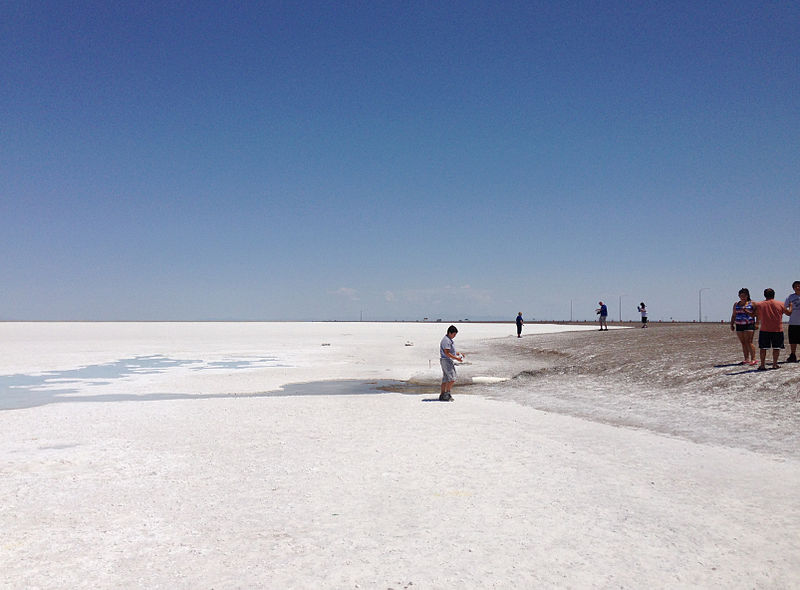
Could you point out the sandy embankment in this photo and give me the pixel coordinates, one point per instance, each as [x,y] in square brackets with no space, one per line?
[681,380]
[380,491]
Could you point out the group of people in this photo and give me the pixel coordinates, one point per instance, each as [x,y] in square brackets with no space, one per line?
[747,317]
[602,315]
[767,317]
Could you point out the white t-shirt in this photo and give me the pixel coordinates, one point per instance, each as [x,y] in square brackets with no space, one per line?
[794,299]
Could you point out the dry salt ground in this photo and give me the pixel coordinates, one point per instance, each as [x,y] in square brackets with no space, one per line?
[168,456]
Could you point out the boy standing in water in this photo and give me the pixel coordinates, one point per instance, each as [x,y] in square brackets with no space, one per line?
[448,354]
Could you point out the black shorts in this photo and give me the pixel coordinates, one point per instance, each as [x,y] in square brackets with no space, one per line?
[767,340]
[794,334]
[644,320]
[745,327]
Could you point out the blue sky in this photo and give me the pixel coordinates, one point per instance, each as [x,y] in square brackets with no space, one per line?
[400,160]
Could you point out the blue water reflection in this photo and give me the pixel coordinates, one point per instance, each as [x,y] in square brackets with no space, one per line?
[27,391]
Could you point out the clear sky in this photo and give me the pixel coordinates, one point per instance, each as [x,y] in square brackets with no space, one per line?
[396,160]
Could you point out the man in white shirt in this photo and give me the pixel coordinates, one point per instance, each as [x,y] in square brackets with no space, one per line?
[794,322]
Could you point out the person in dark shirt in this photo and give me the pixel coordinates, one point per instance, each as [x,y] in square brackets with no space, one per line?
[602,313]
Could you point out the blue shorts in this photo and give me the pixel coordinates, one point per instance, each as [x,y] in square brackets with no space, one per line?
[767,340]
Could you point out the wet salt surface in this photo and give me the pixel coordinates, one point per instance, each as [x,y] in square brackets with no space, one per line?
[682,381]
[343,387]
[677,380]
[30,390]
[74,385]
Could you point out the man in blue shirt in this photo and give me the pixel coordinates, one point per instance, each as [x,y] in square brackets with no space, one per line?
[448,354]
[602,311]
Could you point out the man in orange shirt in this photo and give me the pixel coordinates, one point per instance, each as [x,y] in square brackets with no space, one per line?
[770,314]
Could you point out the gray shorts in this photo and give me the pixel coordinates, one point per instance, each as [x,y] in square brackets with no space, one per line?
[448,370]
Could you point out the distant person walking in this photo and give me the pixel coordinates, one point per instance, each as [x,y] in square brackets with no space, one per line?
[770,314]
[519,325]
[448,354]
[793,303]
[643,310]
[602,313]
[743,321]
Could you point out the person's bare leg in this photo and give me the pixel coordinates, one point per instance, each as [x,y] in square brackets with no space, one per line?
[745,346]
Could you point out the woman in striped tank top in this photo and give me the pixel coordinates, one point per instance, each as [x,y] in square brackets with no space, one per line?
[744,322]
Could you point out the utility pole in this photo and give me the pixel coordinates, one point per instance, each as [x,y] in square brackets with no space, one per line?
[700,303]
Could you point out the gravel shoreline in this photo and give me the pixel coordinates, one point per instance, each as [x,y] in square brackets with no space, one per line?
[676,379]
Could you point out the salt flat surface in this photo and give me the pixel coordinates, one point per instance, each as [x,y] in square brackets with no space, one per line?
[138,487]
[45,362]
